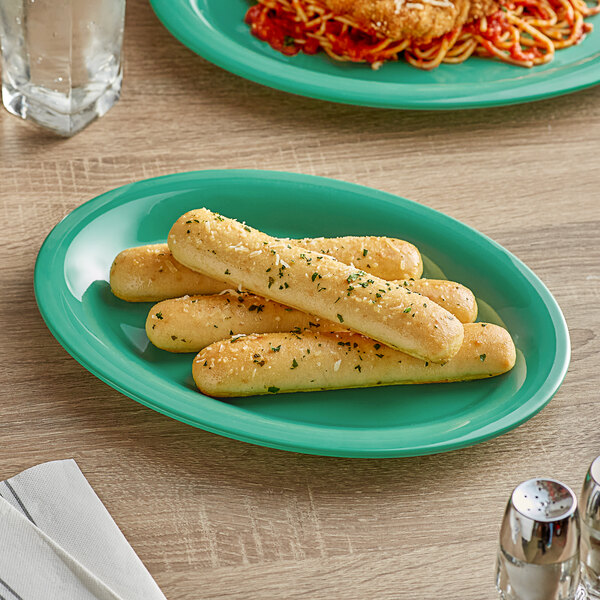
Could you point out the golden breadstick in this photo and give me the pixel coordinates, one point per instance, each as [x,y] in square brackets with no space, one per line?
[315,283]
[454,297]
[288,362]
[151,274]
[388,258]
[190,323]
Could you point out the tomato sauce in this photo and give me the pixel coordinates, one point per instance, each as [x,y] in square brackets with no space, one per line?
[278,28]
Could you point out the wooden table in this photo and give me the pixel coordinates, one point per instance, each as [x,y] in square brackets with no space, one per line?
[216,518]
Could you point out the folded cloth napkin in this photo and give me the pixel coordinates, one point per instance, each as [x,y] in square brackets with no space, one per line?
[58,541]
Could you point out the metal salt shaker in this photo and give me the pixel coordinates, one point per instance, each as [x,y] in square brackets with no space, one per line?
[538,557]
[590,530]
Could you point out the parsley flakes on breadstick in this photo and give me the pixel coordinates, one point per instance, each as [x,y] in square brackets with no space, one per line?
[289,362]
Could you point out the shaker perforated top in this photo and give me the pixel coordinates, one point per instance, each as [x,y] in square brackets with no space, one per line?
[544,500]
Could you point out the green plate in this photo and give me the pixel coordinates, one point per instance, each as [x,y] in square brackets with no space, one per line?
[215,29]
[107,336]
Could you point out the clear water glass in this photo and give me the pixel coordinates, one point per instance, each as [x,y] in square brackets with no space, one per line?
[61,60]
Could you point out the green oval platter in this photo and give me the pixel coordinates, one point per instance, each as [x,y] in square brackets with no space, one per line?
[106,335]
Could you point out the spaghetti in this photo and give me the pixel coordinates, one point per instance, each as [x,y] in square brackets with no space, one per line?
[521,32]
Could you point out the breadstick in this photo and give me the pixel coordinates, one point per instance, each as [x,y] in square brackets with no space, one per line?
[454,297]
[151,274]
[287,362]
[388,258]
[315,283]
[190,323]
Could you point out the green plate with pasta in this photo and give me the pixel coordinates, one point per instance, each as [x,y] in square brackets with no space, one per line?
[215,29]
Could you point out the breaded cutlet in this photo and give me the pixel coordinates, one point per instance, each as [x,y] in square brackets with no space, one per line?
[416,19]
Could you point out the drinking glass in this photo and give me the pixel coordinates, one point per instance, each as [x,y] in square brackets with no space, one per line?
[61,60]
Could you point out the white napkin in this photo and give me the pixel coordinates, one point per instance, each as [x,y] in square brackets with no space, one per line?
[58,541]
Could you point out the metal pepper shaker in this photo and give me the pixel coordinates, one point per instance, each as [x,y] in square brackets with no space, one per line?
[590,530]
[538,556]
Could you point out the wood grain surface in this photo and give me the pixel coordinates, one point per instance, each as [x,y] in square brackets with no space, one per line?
[215,518]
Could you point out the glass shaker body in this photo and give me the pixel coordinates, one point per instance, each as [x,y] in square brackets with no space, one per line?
[538,555]
[590,531]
